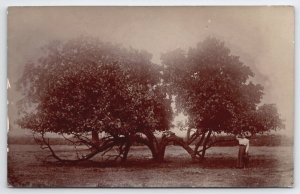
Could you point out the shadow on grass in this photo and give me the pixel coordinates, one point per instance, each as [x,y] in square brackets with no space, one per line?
[222,163]
[208,163]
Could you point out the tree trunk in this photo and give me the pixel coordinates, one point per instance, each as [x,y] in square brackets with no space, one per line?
[205,144]
[149,144]
[153,145]
[126,150]
[199,143]
[95,138]
[178,141]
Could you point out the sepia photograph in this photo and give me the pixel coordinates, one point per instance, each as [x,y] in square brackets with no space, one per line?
[147,97]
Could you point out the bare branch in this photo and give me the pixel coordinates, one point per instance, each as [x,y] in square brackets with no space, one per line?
[84,157]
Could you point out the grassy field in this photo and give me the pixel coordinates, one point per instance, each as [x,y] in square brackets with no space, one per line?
[269,167]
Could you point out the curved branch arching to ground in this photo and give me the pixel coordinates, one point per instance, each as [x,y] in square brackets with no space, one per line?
[177,141]
[105,146]
[124,143]
[158,148]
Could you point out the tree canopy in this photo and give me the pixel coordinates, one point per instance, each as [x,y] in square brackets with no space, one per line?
[84,87]
[214,88]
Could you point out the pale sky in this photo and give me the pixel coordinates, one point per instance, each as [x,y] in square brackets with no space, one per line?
[263,37]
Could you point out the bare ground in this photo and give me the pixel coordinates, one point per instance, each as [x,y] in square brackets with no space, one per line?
[269,167]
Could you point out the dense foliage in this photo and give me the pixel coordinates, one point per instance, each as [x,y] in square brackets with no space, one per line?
[84,87]
[214,88]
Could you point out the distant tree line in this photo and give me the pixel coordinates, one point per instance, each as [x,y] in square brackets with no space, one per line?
[223,141]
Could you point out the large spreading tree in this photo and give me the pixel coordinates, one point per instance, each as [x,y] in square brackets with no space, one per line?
[214,89]
[105,96]
[84,87]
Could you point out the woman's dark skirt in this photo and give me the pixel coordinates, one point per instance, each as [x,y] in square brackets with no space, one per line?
[241,157]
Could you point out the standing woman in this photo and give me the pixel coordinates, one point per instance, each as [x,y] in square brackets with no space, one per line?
[243,151]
